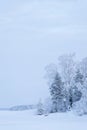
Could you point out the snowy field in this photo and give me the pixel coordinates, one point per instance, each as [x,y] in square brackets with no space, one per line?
[27,120]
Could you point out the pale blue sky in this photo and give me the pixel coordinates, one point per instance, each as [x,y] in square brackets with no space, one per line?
[33,33]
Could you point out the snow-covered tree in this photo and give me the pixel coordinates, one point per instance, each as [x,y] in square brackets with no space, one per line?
[68,88]
[80,107]
[74,90]
[67,71]
[40,108]
[57,94]
[47,106]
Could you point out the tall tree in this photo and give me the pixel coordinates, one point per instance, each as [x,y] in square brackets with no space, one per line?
[57,93]
[67,71]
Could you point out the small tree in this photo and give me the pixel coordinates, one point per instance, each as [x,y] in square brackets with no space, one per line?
[47,106]
[40,109]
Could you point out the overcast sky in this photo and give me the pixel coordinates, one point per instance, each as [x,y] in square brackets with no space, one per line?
[33,33]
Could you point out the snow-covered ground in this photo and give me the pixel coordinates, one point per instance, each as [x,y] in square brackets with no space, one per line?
[27,120]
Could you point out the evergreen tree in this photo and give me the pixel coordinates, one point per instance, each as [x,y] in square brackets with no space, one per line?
[40,110]
[56,90]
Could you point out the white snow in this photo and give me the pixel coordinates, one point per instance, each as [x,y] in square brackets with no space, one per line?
[28,120]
